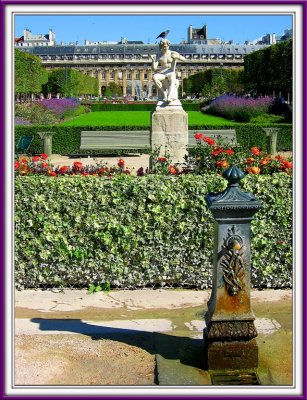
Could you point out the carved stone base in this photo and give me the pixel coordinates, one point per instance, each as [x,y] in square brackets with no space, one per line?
[169,132]
[169,105]
[231,355]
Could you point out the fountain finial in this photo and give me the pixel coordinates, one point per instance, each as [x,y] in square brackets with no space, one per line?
[233,175]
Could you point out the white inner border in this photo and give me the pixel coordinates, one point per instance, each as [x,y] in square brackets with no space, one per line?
[24,9]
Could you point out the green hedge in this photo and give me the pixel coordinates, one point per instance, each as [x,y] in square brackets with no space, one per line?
[134,232]
[137,107]
[191,106]
[249,135]
[123,107]
[66,139]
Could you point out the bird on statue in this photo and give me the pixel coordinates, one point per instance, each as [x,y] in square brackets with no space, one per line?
[163,35]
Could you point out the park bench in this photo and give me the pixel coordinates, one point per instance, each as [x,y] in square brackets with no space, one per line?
[113,140]
[127,140]
[227,136]
[23,145]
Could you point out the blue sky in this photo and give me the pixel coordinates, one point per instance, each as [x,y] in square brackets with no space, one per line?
[71,28]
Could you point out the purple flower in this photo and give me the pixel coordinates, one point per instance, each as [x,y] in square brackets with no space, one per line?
[60,106]
[239,108]
[21,121]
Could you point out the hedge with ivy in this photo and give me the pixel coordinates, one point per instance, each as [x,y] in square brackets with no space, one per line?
[136,232]
[67,139]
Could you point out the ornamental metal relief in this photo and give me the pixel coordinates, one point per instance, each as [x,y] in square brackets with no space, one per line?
[232,330]
[233,262]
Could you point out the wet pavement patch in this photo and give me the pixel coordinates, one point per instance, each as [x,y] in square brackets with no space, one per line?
[234,378]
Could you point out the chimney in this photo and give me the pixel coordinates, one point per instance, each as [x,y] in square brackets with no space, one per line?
[190,33]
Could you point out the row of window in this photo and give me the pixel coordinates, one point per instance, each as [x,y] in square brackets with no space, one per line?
[113,57]
[23,44]
[119,74]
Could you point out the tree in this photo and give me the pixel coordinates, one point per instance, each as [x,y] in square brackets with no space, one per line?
[68,82]
[213,82]
[113,90]
[29,74]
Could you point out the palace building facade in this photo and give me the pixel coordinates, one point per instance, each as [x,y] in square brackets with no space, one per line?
[127,63]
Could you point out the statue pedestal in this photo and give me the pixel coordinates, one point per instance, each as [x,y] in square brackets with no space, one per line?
[169,130]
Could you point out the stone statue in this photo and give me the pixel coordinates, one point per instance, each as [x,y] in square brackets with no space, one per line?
[165,79]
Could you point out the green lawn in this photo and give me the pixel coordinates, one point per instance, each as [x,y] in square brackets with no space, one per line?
[198,118]
[138,118]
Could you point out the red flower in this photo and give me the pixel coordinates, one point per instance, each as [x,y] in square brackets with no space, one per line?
[121,163]
[44,165]
[250,160]
[102,170]
[224,164]
[44,156]
[52,173]
[63,169]
[230,152]
[198,135]
[287,164]
[209,141]
[264,161]
[255,151]
[17,165]
[162,159]
[172,170]
[279,157]
[215,152]
[255,170]
[126,171]
[35,158]
[77,166]
[24,161]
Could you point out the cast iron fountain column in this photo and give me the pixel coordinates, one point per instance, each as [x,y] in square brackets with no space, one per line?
[230,331]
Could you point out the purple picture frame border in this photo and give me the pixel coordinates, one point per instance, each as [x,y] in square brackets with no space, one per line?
[4,167]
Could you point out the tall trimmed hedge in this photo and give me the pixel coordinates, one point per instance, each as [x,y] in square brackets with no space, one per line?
[133,232]
[270,69]
[67,139]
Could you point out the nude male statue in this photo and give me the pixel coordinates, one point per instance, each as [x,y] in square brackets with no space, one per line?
[165,79]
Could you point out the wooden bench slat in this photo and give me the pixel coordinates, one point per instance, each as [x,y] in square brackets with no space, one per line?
[95,140]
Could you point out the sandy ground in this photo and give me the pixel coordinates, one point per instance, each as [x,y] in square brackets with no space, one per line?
[131,162]
[80,360]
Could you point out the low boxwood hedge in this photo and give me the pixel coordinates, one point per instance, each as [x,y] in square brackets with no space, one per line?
[66,139]
[123,107]
[137,107]
[134,232]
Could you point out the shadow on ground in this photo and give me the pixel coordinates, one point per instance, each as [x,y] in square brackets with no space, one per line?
[187,350]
